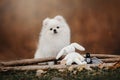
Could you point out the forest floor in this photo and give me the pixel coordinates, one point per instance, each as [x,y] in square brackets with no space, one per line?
[54,74]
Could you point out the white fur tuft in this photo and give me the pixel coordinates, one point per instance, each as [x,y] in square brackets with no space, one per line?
[59,18]
[45,22]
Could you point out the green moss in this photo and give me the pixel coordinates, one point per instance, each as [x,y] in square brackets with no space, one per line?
[95,74]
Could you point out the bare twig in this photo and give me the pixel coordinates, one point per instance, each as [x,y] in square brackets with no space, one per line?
[109,58]
[45,67]
[26,61]
[105,56]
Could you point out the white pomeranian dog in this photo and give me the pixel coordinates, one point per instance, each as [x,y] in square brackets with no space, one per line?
[55,35]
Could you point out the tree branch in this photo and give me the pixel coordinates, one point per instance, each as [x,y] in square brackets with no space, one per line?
[110,58]
[26,61]
[45,67]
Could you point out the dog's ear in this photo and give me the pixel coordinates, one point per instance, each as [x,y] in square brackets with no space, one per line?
[59,18]
[46,21]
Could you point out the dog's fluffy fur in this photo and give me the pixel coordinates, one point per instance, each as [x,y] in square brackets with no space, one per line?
[55,35]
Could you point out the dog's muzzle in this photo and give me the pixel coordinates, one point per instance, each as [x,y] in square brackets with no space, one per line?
[55,31]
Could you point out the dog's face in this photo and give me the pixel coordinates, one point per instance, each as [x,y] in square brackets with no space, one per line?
[54,26]
[54,30]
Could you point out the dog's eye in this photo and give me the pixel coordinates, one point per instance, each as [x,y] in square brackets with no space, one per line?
[58,27]
[50,28]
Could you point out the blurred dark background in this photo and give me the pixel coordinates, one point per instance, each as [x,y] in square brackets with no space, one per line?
[94,24]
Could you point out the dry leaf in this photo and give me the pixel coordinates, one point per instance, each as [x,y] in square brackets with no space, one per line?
[40,72]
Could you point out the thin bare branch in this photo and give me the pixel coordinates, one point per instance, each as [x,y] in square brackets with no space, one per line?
[45,67]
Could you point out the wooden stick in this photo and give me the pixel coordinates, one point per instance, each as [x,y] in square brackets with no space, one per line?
[45,67]
[107,60]
[26,61]
[40,60]
[105,56]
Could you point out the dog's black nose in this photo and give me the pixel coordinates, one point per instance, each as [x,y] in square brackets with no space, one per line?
[55,31]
